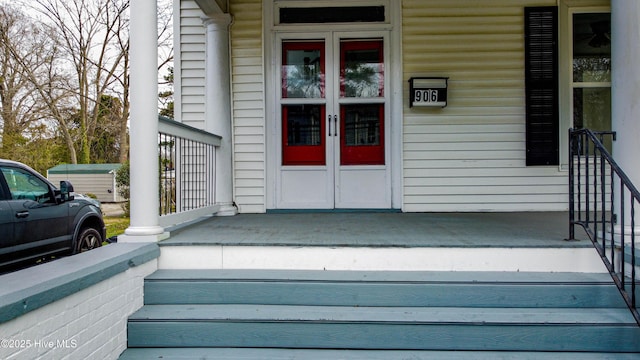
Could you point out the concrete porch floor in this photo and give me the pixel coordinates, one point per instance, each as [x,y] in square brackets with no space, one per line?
[370,229]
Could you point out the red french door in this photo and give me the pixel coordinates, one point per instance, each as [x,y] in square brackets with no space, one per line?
[303,126]
[361,125]
[332,116]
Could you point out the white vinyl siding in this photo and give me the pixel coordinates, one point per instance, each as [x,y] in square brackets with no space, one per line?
[247,92]
[191,63]
[470,156]
[247,71]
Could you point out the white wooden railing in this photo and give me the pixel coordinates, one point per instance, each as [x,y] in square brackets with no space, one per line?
[187,172]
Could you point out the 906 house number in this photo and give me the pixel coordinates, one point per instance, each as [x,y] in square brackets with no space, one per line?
[428,91]
[427,95]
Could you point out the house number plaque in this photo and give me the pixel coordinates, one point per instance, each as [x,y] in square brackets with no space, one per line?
[428,92]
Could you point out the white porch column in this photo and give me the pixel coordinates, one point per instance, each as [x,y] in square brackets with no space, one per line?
[625,94]
[143,128]
[218,106]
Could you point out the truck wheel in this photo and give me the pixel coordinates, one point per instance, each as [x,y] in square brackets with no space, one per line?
[89,239]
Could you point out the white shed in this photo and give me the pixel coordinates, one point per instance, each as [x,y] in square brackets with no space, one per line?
[97,179]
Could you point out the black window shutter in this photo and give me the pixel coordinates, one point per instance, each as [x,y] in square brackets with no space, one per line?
[541,83]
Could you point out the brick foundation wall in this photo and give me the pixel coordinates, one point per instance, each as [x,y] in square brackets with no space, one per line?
[87,324]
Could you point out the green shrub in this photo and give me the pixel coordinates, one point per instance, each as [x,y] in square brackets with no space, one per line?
[122,182]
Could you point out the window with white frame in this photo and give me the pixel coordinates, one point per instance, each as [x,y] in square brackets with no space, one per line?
[591,71]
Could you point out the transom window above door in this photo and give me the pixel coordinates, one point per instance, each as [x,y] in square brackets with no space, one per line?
[295,12]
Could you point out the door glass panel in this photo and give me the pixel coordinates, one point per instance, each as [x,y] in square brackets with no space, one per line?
[362,132]
[303,135]
[303,70]
[303,125]
[362,126]
[361,69]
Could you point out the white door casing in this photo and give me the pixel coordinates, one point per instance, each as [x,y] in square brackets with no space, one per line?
[334,185]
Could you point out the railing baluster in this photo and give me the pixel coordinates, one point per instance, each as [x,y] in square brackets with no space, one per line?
[586,184]
[572,200]
[595,198]
[633,252]
[580,149]
[622,224]
[603,194]
[612,214]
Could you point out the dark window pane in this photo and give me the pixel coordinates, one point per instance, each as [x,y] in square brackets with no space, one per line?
[332,14]
[592,47]
[592,110]
[303,125]
[362,125]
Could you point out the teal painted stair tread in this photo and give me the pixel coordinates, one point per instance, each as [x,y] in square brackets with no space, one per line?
[384,336]
[400,315]
[384,328]
[314,354]
[383,294]
[340,288]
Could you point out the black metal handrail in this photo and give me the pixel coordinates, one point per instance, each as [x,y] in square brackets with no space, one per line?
[602,200]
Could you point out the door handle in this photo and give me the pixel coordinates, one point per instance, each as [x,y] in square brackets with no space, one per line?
[22,214]
[335,123]
[329,120]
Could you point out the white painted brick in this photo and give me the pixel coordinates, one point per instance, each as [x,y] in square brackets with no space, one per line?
[11,329]
[51,325]
[79,323]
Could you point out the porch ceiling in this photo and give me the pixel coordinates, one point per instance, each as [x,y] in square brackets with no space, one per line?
[518,230]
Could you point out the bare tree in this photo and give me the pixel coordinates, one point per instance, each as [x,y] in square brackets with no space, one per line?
[85,61]
[35,86]
[165,36]
[88,33]
[26,52]
[165,49]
